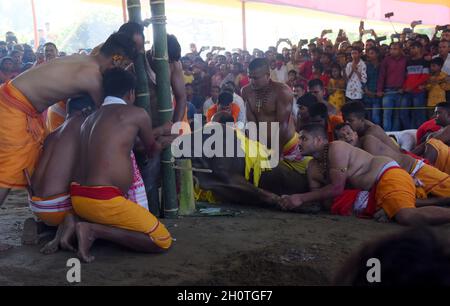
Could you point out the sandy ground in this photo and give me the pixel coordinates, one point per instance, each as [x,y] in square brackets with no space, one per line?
[257,247]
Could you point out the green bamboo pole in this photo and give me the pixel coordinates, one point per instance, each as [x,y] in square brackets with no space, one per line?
[186,197]
[165,110]
[142,92]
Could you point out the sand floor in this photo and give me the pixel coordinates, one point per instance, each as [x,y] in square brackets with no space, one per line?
[257,247]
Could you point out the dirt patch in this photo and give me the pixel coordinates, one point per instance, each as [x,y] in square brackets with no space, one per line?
[257,247]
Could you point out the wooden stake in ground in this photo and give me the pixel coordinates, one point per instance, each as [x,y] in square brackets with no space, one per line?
[165,109]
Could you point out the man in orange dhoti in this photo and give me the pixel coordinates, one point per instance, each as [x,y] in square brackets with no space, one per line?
[24,99]
[98,194]
[339,164]
[429,180]
[438,154]
[21,138]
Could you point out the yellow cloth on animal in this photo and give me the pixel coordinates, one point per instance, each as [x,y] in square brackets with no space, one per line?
[204,195]
[256,157]
[256,160]
[299,166]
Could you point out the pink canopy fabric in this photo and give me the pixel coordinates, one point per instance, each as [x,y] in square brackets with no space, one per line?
[405,11]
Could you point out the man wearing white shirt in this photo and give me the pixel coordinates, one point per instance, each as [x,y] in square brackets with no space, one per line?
[444,53]
[242,119]
[215,91]
[280,73]
[356,73]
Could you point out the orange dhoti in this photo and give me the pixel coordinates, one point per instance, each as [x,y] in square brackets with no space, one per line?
[443,155]
[107,205]
[55,116]
[51,210]
[22,134]
[430,180]
[393,191]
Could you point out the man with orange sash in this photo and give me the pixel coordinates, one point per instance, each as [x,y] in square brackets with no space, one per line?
[429,180]
[338,165]
[105,175]
[23,99]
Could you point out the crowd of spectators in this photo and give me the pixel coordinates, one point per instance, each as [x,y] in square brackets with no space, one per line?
[399,83]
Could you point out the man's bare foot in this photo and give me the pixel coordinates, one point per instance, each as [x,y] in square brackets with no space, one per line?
[30,233]
[51,247]
[5,247]
[85,238]
[68,233]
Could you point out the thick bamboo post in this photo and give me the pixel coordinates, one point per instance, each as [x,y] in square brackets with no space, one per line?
[186,196]
[142,93]
[165,109]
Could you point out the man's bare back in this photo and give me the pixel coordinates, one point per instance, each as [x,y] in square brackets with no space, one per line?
[347,167]
[377,132]
[375,147]
[107,138]
[60,79]
[54,172]
[362,168]
[276,107]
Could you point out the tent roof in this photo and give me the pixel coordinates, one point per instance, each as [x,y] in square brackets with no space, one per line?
[405,11]
[429,11]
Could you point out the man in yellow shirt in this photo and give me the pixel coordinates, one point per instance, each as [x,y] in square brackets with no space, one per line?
[436,84]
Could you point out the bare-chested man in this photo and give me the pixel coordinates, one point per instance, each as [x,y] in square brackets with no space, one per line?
[436,150]
[428,179]
[107,138]
[354,114]
[136,31]
[338,164]
[269,101]
[49,193]
[25,97]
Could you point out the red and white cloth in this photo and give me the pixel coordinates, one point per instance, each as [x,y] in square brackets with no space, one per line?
[137,192]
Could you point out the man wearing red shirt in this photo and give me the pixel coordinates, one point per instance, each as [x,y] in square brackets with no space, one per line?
[429,126]
[417,73]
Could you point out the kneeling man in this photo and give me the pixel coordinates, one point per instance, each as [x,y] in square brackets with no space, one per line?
[49,196]
[105,172]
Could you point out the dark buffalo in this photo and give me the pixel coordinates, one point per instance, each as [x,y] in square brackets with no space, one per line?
[227,179]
